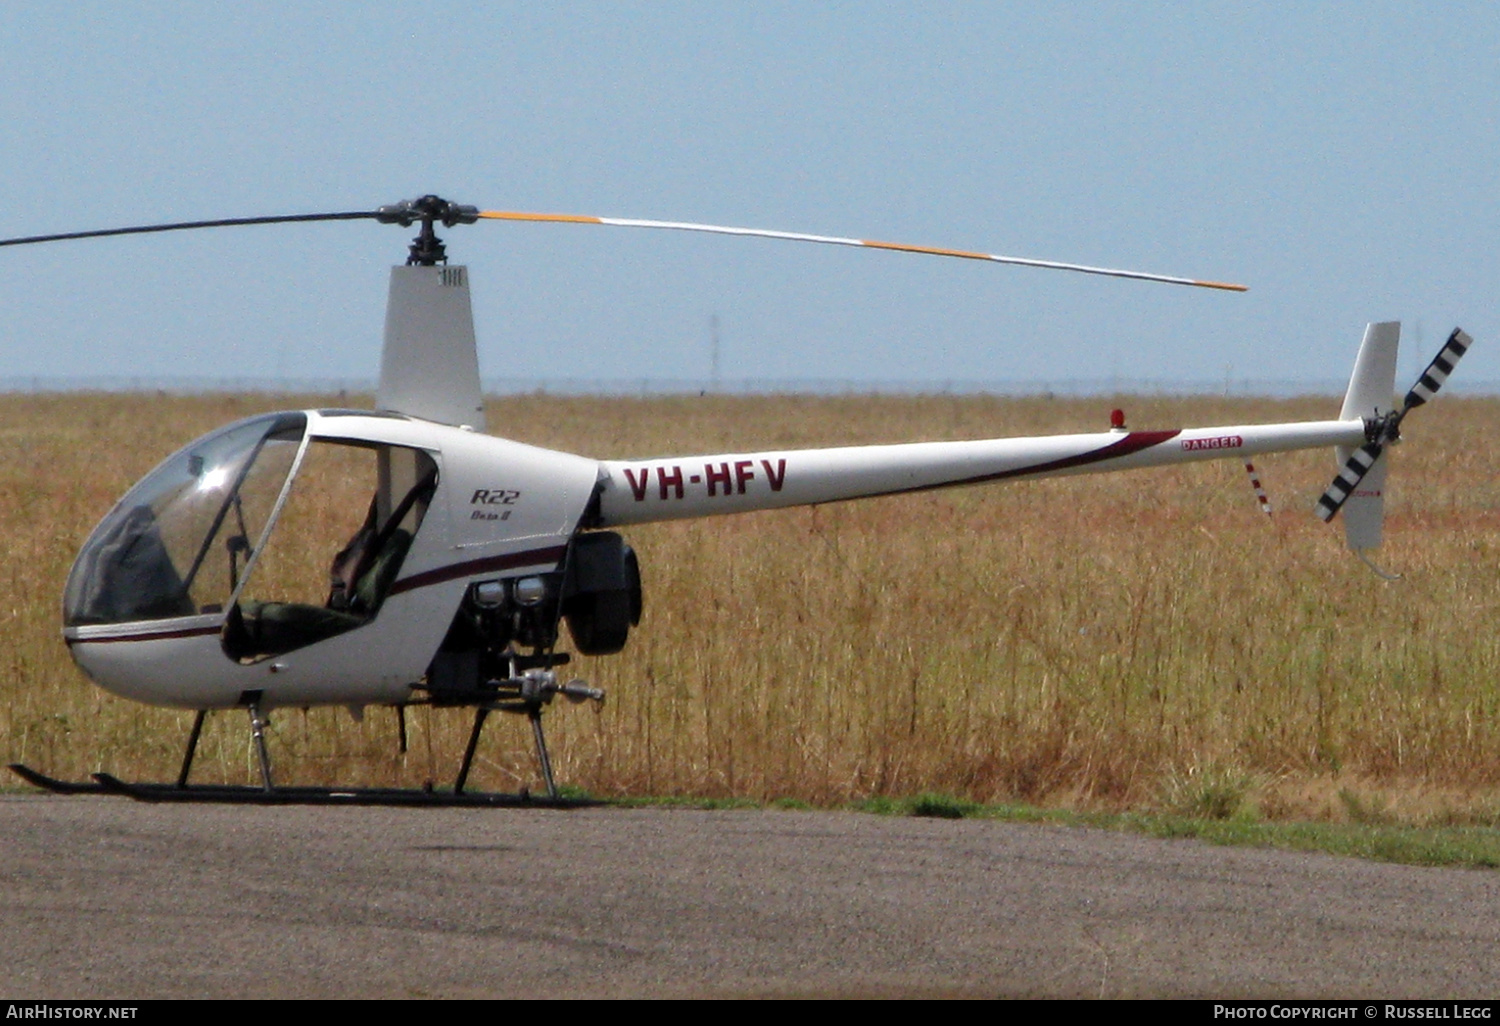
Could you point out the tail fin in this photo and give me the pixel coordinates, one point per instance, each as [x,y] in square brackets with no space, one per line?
[1372,393]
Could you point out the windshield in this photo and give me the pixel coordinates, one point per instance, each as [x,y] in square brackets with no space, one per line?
[179,540]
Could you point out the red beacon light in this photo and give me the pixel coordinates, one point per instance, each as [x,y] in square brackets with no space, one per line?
[1117,420]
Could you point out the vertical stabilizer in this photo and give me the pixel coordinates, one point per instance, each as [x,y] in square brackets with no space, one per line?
[430,367]
[1372,393]
[1372,386]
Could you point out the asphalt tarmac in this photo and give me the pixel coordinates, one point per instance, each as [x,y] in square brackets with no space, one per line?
[106,898]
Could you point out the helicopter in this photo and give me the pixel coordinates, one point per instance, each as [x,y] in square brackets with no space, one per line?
[401,556]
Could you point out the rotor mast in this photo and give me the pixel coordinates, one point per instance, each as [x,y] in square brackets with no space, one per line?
[429,363]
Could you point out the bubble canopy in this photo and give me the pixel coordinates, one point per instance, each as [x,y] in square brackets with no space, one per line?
[179,542]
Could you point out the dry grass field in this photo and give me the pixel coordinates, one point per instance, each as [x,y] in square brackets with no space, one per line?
[1142,640]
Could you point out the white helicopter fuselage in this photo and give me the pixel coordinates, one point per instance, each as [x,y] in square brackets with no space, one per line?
[503,510]
[474,545]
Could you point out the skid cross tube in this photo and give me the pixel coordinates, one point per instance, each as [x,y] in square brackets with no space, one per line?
[463,770]
[192,747]
[258,725]
[534,714]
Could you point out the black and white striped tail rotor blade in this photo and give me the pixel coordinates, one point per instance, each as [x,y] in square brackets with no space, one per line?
[1438,370]
[1349,478]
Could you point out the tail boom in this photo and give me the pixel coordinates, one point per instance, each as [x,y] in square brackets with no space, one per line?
[640,491]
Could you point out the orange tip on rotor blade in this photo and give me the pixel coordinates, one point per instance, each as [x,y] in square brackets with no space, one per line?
[516,215]
[904,247]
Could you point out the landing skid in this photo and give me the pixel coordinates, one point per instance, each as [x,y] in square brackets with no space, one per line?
[104,783]
[54,785]
[270,794]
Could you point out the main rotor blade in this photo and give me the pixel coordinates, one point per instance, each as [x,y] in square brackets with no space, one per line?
[430,208]
[143,229]
[1438,370]
[834,240]
[1349,478]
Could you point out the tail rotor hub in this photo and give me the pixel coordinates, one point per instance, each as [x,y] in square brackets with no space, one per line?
[1384,429]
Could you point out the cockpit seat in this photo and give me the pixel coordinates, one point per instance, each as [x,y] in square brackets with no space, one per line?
[373,585]
[256,629]
[271,628]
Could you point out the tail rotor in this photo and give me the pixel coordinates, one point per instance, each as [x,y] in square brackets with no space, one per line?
[1384,429]
[1436,374]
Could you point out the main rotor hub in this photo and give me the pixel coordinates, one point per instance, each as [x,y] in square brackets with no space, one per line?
[427,249]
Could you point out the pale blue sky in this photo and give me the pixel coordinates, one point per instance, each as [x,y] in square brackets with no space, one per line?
[1338,158]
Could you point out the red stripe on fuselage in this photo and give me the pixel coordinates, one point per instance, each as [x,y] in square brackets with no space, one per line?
[491,564]
[1131,443]
[162,635]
